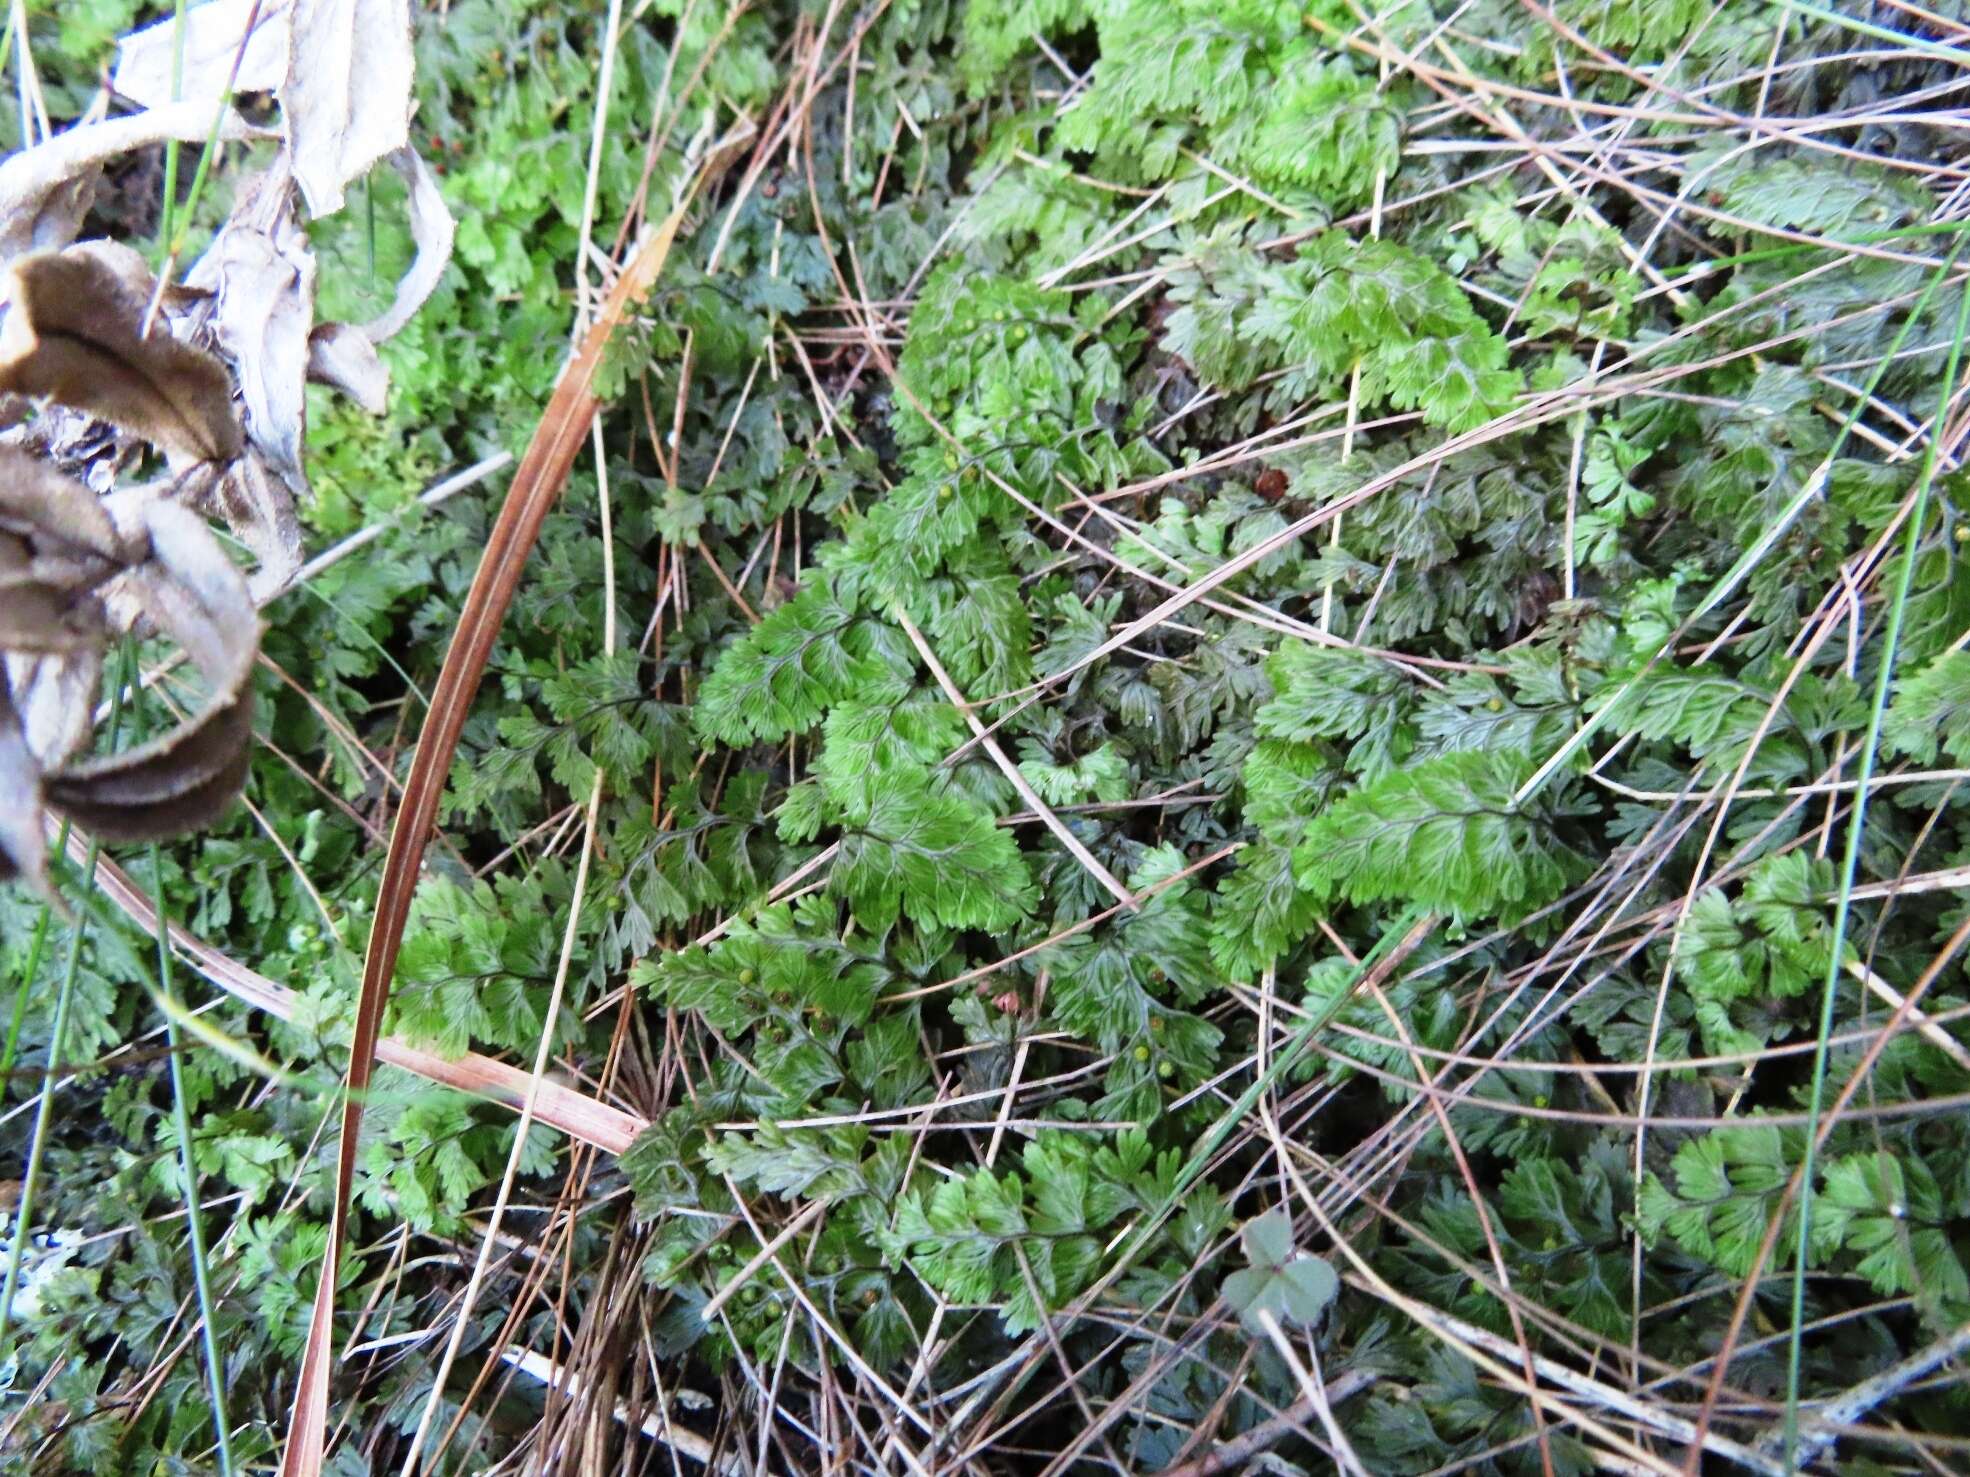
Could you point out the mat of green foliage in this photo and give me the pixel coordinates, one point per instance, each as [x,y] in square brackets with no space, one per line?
[1470,485]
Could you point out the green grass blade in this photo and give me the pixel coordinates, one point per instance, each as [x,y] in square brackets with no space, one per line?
[30,971]
[1850,864]
[1859,27]
[215,1367]
[44,1106]
[169,205]
[1748,561]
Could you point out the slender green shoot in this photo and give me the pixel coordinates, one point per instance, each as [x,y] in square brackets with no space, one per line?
[211,150]
[164,221]
[45,1104]
[30,972]
[215,1366]
[1750,559]
[1850,863]
[1860,27]
[7,59]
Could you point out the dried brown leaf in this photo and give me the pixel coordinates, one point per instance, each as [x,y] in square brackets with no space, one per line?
[73,335]
[346,99]
[187,777]
[54,515]
[168,796]
[40,617]
[60,546]
[56,545]
[257,506]
[126,264]
[67,561]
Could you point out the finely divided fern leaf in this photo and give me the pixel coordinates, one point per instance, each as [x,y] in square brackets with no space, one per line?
[1444,833]
[780,676]
[1343,302]
[1931,711]
[936,856]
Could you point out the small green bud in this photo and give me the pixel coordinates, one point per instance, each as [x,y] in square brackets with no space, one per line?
[1166,1070]
[1142,1053]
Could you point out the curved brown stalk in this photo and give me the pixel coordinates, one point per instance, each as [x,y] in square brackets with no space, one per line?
[542,472]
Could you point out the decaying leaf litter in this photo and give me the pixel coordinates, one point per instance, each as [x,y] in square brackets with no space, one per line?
[95,340]
[1418,851]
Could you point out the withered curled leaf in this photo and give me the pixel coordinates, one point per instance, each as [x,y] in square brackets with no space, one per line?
[433,230]
[74,334]
[34,615]
[146,557]
[341,356]
[185,778]
[346,99]
[258,507]
[261,276]
[52,515]
[56,545]
[22,848]
[151,69]
[45,191]
[55,697]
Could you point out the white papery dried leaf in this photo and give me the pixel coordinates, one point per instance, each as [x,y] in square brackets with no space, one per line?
[347,97]
[145,59]
[45,191]
[341,356]
[261,274]
[432,229]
